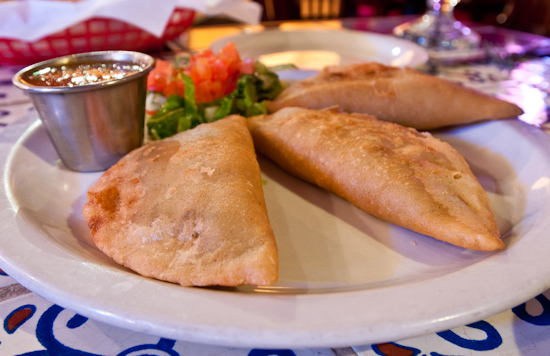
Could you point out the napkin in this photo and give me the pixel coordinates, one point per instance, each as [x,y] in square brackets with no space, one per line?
[30,20]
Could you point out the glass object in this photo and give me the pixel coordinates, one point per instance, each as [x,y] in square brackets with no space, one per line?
[439,32]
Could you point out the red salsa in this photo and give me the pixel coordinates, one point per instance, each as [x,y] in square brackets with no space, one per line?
[81,74]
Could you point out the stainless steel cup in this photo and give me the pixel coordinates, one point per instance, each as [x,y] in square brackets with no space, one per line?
[92,126]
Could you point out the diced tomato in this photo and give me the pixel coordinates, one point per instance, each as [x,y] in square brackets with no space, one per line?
[203,69]
[247,66]
[219,70]
[229,51]
[214,75]
[216,86]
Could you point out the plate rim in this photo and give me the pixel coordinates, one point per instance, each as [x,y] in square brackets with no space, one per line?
[420,58]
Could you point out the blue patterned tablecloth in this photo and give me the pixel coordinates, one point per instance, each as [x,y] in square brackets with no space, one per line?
[34,326]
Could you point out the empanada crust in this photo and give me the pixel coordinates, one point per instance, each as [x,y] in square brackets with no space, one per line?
[188,209]
[400,95]
[396,173]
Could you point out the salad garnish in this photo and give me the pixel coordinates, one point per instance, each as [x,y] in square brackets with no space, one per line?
[206,87]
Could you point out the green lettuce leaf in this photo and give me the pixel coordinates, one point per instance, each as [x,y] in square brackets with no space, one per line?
[180,114]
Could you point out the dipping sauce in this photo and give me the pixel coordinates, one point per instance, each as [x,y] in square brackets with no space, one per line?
[81,74]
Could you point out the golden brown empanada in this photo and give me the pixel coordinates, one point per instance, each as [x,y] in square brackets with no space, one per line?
[188,209]
[401,95]
[393,172]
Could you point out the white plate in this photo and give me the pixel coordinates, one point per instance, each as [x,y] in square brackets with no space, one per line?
[314,49]
[346,278]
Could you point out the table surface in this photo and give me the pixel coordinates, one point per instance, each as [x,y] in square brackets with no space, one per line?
[35,326]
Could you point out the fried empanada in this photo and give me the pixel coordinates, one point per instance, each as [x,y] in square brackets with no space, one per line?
[393,172]
[188,209]
[401,95]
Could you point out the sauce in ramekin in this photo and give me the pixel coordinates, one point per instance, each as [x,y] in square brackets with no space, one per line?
[81,74]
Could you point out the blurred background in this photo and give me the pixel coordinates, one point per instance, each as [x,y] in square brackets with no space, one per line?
[98,32]
[531,16]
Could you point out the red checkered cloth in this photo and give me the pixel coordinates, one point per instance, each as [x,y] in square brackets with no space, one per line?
[97,34]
